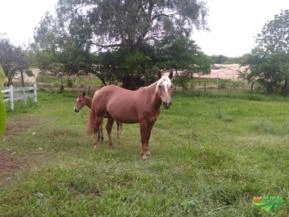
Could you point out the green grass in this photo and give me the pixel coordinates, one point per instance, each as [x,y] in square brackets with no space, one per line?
[210,155]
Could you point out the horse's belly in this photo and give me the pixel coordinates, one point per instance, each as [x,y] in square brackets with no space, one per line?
[123,114]
[125,118]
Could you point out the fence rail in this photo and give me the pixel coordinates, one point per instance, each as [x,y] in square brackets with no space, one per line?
[12,94]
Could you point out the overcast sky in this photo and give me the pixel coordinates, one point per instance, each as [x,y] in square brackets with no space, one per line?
[233,23]
[18,18]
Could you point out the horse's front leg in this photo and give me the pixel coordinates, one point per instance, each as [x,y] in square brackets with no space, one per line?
[149,129]
[144,139]
[109,125]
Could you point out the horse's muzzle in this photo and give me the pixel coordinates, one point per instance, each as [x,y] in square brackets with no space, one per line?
[167,105]
[76,110]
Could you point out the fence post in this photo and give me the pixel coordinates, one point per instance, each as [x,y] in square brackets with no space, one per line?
[11,97]
[35,92]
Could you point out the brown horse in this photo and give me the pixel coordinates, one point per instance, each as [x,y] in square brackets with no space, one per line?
[126,106]
[84,100]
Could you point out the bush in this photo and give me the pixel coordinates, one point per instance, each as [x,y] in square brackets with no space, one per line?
[69,82]
[182,81]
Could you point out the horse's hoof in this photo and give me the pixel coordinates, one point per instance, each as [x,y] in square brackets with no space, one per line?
[95,147]
[144,156]
[148,153]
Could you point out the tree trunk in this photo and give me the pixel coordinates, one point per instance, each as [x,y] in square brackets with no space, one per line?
[9,80]
[286,87]
[270,87]
[132,82]
[126,82]
[61,88]
[22,78]
[252,86]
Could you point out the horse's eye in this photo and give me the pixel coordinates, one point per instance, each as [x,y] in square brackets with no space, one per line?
[160,86]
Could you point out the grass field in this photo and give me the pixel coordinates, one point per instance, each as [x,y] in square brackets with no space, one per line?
[210,155]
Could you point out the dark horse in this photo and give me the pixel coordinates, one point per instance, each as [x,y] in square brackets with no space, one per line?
[84,100]
[126,106]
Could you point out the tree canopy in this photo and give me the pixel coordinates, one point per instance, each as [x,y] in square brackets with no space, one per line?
[2,106]
[12,59]
[131,23]
[120,39]
[269,60]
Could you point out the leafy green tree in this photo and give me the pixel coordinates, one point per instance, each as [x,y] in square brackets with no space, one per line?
[269,70]
[122,32]
[274,36]
[182,54]
[269,61]
[12,59]
[59,48]
[2,106]
[2,77]
[184,57]
[219,59]
[22,63]
[133,23]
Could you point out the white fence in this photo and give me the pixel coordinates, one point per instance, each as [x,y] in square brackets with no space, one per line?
[12,94]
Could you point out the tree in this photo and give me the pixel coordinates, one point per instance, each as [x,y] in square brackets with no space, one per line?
[12,60]
[2,76]
[183,56]
[22,63]
[133,23]
[269,61]
[2,106]
[124,32]
[56,45]
[270,70]
[181,53]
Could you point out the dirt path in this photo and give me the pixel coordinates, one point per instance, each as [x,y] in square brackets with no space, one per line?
[8,161]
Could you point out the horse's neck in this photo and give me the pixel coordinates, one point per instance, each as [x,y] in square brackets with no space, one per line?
[88,102]
[153,96]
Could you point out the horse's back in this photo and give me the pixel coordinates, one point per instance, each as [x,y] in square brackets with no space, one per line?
[108,94]
[101,97]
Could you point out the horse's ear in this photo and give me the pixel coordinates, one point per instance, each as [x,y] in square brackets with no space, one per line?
[83,93]
[159,74]
[171,74]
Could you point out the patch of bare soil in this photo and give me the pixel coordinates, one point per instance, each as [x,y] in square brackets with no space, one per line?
[8,163]
[17,125]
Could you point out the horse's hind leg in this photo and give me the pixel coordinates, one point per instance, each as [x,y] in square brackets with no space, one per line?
[100,133]
[98,122]
[119,129]
[109,125]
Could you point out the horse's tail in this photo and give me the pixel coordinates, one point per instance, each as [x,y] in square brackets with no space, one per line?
[91,126]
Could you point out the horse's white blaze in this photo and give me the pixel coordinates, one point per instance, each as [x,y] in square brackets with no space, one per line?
[166,90]
[165,83]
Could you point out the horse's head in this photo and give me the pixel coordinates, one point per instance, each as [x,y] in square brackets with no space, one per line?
[164,89]
[80,102]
